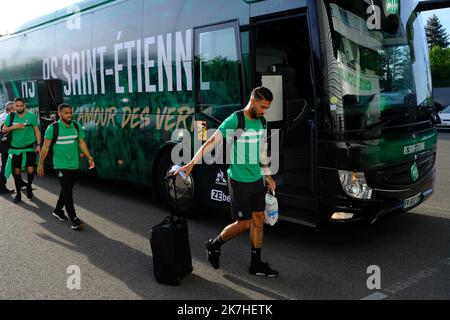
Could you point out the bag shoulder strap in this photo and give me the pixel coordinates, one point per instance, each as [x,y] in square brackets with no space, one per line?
[55,133]
[263,122]
[11,119]
[241,124]
[76,127]
[241,119]
[11,122]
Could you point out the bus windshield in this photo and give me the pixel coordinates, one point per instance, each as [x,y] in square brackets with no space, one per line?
[382,59]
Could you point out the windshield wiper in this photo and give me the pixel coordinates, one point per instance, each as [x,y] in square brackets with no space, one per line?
[372,129]
[431,113]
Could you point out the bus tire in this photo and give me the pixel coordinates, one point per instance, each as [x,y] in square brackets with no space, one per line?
[186,206]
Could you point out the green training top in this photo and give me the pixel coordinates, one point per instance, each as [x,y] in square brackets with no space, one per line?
[22,138]
[65,150]
[245,154]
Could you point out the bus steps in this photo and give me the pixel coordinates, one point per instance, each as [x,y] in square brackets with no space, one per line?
[298,215]
[296,180]
[295,197]
[293,163]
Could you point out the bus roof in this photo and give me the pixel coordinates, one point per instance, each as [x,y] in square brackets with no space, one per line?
[59,14]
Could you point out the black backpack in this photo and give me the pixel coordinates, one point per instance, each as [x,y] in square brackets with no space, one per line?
[241,123]
[240,130]
[56,132]
[6,138]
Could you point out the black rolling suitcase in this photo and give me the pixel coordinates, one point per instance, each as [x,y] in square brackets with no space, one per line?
[169,241]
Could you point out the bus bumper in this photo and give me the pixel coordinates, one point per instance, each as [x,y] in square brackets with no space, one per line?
[383,202]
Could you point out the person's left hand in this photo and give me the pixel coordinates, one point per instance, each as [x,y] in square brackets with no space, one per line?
[91,164]
[271,184]
[38,149]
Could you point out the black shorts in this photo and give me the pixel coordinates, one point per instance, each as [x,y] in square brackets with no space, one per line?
[17,160]
[246,197]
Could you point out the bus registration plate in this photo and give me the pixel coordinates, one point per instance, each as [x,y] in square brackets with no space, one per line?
[407,203]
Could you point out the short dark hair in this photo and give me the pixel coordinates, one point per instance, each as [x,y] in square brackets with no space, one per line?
[262,93]
[19,99]
[63,106]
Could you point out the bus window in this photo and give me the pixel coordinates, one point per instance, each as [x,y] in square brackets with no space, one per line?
[218,69]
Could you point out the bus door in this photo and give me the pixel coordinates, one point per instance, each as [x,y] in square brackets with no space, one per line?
[281,56]
[218,93]
[50,96]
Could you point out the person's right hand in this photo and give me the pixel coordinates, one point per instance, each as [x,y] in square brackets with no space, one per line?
[19,126]
[187,169]
[40,171]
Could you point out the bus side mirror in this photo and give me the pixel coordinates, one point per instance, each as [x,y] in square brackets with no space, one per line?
[438,107]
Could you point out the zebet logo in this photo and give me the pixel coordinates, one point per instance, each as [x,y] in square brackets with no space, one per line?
[218,195]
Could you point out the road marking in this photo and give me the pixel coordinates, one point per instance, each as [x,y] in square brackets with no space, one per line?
[376,296]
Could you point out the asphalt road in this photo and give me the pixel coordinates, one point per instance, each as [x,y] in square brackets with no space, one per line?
[412,250]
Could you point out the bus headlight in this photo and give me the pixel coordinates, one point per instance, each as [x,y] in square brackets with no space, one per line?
[355,185]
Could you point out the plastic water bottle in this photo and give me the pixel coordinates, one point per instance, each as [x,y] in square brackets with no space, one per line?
[175,168]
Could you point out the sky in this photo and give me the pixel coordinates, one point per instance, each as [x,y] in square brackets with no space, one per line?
[30,9]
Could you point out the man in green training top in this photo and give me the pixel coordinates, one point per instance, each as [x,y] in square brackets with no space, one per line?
[245,180]
[25,145]
[65,143]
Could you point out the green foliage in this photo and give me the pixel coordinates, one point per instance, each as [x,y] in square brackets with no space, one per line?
[440,66]
[224,93]
[439,55]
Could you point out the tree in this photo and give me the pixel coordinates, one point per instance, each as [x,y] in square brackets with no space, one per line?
[436,33]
